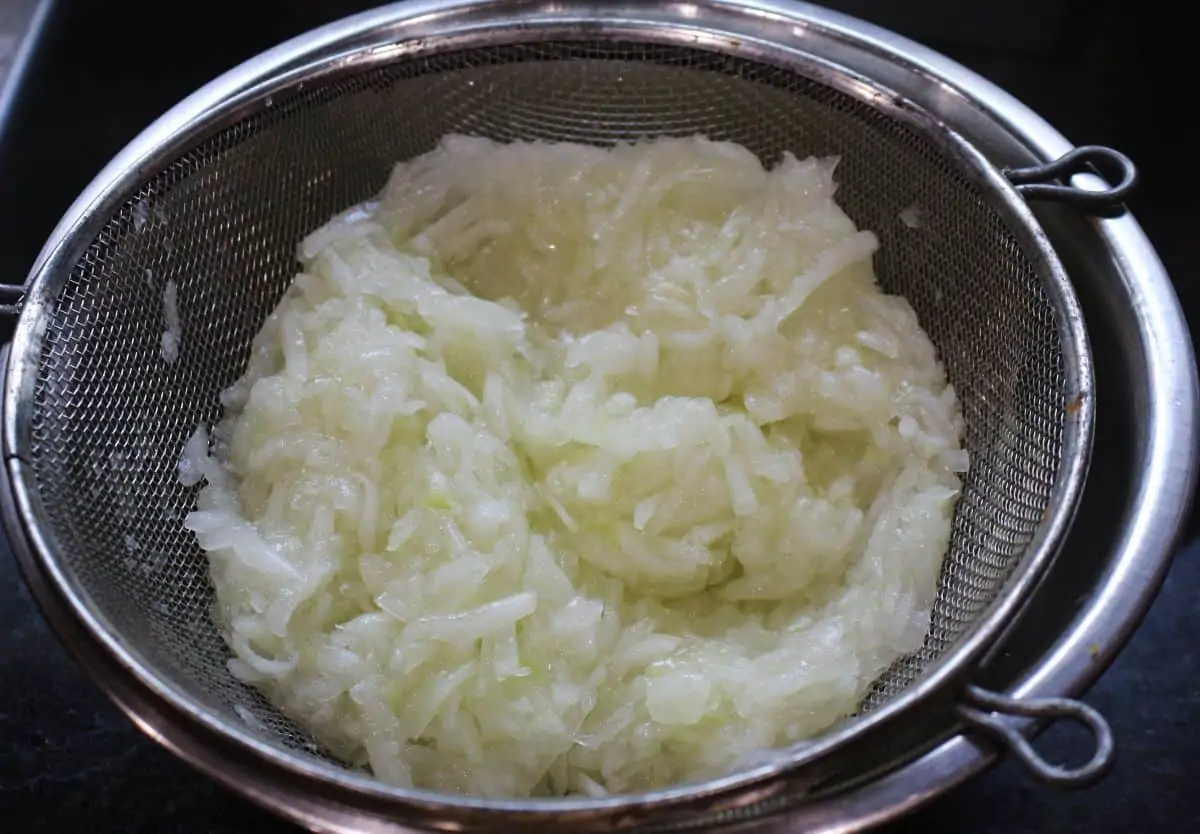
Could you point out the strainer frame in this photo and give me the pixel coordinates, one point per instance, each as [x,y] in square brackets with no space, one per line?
[352,46]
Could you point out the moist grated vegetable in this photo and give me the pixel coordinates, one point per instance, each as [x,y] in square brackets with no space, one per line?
[561,469]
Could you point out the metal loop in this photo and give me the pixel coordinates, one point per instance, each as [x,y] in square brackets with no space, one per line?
[10,300]
[985,711]
[1045,182]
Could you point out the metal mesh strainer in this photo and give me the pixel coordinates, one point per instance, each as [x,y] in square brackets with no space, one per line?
[97,419]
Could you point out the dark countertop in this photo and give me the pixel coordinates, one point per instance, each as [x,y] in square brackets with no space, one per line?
[70,761]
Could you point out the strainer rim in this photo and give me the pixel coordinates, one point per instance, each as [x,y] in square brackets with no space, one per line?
[217,105]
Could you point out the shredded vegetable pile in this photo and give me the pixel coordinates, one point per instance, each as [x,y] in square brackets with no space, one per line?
[570,470]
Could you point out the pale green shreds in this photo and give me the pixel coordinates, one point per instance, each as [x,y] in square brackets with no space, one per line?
[563,469]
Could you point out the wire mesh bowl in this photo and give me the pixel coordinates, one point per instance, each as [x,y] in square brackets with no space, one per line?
[216,196]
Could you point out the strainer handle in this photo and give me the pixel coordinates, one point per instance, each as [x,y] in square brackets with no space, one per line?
[1045,182]
[985,711]
[10,300]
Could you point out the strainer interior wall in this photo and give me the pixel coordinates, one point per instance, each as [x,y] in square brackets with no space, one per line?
[222,222]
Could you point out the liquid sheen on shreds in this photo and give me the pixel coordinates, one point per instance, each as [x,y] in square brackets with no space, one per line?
[573,470]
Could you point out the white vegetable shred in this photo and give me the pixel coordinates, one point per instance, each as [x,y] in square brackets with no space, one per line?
[172,337]
[569,470]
